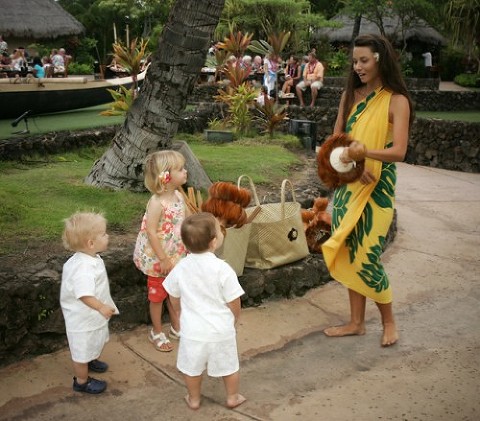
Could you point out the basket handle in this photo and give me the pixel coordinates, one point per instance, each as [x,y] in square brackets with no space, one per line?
[252,188]
[282,195]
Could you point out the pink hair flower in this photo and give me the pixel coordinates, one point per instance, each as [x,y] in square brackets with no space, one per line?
[165,177]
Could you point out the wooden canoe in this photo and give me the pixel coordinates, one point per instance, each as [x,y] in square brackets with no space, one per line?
[43,96]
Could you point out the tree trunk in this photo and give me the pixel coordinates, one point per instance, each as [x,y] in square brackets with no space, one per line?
[356,28]
[152,121]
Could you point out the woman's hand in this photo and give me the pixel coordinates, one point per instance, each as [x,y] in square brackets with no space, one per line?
[357,151]
[367,177]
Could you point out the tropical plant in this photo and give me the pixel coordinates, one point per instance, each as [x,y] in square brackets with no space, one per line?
[122,101]
[239,97]
[239,101]
[132,58]
[463,18]
[338,62]
[80,69]
[235,44]
[270,115]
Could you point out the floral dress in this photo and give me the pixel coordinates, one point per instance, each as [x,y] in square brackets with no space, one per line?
[168,231]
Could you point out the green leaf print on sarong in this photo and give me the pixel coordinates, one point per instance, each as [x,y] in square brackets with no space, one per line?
[361,230]
[341,199]
[363,226]
[385,188]
[373,273]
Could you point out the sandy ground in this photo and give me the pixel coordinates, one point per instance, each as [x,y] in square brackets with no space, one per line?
[289,369]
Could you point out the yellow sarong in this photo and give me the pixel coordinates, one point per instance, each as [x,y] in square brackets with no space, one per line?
[362,214]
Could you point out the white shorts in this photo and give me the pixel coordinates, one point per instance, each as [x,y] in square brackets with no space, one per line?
[219,358]
[87,346]
[317,85]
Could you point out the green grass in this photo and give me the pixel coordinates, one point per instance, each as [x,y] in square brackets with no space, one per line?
[36,195]
[84,118]
[468,116]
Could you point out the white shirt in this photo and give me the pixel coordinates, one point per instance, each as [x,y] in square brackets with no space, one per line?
[427,59]
[205,284]
[83,276]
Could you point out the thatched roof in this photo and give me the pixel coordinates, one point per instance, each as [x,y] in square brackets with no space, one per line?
[419,31]
[36,19]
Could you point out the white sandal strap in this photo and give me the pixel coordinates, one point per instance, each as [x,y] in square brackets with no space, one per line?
[160,337]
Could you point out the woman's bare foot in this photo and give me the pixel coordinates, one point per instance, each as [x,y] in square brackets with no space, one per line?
[235,400]
[390,334]
[345,330]
[191,403]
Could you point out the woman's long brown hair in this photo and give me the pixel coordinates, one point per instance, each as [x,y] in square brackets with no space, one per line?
[388,67]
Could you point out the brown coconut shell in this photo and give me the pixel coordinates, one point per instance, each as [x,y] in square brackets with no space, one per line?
[330,177]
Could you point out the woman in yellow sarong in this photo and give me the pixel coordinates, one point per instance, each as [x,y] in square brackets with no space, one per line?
[375,109]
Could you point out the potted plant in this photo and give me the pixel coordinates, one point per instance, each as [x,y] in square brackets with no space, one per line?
[218,131]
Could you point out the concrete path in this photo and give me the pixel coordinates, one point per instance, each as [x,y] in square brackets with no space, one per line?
[289,369]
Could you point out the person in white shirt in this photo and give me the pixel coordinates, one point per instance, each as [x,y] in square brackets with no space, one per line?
[85,298]
[206,292]
[427,61]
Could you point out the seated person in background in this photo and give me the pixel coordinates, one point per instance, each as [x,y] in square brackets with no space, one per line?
[5,64]
[262,95]
[257,65]
[5,61]
[3,46]
[38,69]
[246,62]
[18,60]
[292,74]
[58,61]
[312,77]
[115,70]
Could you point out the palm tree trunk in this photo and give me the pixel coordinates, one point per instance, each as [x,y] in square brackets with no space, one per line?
[152,121]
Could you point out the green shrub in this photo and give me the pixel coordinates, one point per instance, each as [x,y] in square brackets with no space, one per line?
[80,69]
[451,63]
[337,63]
[470,80]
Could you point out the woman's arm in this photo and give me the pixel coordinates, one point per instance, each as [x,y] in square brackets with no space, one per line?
[399,116]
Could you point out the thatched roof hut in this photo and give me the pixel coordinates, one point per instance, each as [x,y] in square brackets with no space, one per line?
[418,32]
[28,21]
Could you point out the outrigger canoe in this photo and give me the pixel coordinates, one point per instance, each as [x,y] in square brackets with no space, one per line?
[50,95]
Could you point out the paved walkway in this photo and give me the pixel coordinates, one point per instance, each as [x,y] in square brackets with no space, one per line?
[289,369]
[452,86]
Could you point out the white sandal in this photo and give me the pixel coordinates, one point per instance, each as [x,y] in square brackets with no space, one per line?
[173,334]
[159,340]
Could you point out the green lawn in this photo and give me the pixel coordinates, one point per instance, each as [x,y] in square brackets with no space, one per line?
[38,193]
[84,118]
[468,116]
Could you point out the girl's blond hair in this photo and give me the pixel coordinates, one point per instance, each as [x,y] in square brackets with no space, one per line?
[157,163]
[81,227]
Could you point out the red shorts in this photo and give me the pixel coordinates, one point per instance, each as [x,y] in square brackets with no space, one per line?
[156,291]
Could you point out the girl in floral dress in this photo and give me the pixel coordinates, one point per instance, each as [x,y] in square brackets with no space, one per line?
[159,245]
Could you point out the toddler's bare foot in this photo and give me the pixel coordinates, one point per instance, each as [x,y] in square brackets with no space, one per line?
[345,330]
[192,404]
[390,334]
[235,400]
